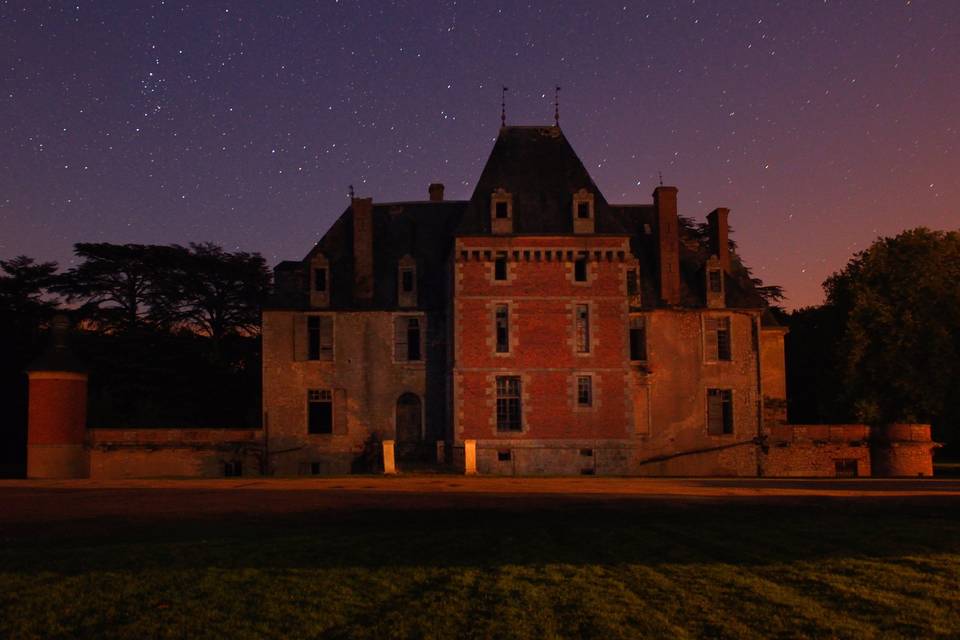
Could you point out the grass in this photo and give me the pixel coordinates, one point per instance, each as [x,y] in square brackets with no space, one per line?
[733,570]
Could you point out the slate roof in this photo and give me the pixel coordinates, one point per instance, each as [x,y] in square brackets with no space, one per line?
[541,171]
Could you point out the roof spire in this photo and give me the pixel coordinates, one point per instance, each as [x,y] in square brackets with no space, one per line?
[350,191]
[660,174]
[556,106]
[503,107]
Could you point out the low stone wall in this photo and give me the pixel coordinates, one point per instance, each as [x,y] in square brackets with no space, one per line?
[153,453]
[817,450]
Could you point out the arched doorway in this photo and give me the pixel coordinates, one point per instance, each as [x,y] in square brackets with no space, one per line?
[409,425]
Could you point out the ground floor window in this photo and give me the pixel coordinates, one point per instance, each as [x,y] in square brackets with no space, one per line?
[719,411]
[508,403]
[319,411]
[232,469]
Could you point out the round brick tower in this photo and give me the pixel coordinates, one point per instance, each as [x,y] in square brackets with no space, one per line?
[902,451]
[57,411]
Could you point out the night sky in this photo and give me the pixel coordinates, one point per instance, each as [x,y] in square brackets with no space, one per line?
[820,124]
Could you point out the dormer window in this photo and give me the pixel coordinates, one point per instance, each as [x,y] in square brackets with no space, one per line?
[716,296]
[583,220]
[407,282]
[716,281]
[501,211]
[319,281]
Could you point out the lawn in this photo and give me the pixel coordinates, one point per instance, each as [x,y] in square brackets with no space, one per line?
[733,569]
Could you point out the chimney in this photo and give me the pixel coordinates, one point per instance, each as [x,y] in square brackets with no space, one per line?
[436,192]
[362,248]
[668,236]
[719,245]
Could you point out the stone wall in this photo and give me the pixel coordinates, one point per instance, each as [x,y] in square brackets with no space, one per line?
[816,450]
[153,453]
[366,381]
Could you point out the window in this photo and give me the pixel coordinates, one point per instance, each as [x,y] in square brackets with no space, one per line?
[501,210]
[503,456]
[316,468]
[406,280]
[583,210]
[502,327]
[716,281]
[586,453]
[583,328]
[407,339]
[508,403]
[319,411]
[845,468]
[584,391]
[320,338]
[580,270]
[232,469]
[633,283]
[320,279]
[718,339]
[719,411]
[500,269]
[638,339]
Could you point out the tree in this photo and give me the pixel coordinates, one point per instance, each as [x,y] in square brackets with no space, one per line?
[23,285]
[898,356]
[218,293]
[119,284]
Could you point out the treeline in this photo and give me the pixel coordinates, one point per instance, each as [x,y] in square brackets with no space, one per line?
[170,334]
[885,345]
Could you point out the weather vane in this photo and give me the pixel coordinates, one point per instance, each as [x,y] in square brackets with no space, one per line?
[660,175]
[556,105]
[350,191]
[503,107]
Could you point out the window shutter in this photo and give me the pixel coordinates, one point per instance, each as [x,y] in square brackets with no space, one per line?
[714,413]
[711,339]
[340,411]
[400,338]
[326,338]
[299,336]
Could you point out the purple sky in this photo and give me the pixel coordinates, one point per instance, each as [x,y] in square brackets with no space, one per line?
[821,124]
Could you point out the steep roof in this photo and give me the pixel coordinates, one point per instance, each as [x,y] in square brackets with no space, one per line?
[541,171]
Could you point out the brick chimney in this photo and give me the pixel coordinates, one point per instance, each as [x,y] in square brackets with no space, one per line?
[436,192]
[719,230]
[668,236]
[362,248]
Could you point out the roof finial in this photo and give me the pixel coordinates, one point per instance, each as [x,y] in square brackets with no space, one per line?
[503,107]
[556,105]
[660,174]
[350,191]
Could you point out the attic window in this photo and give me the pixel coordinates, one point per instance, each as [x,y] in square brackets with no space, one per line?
[501,210]
[583,210]
[406,280]
[716,281]
[320,279]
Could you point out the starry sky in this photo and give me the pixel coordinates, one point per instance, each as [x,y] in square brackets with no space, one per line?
[820,124]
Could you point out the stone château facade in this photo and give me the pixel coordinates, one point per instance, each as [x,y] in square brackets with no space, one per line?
[533,329]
